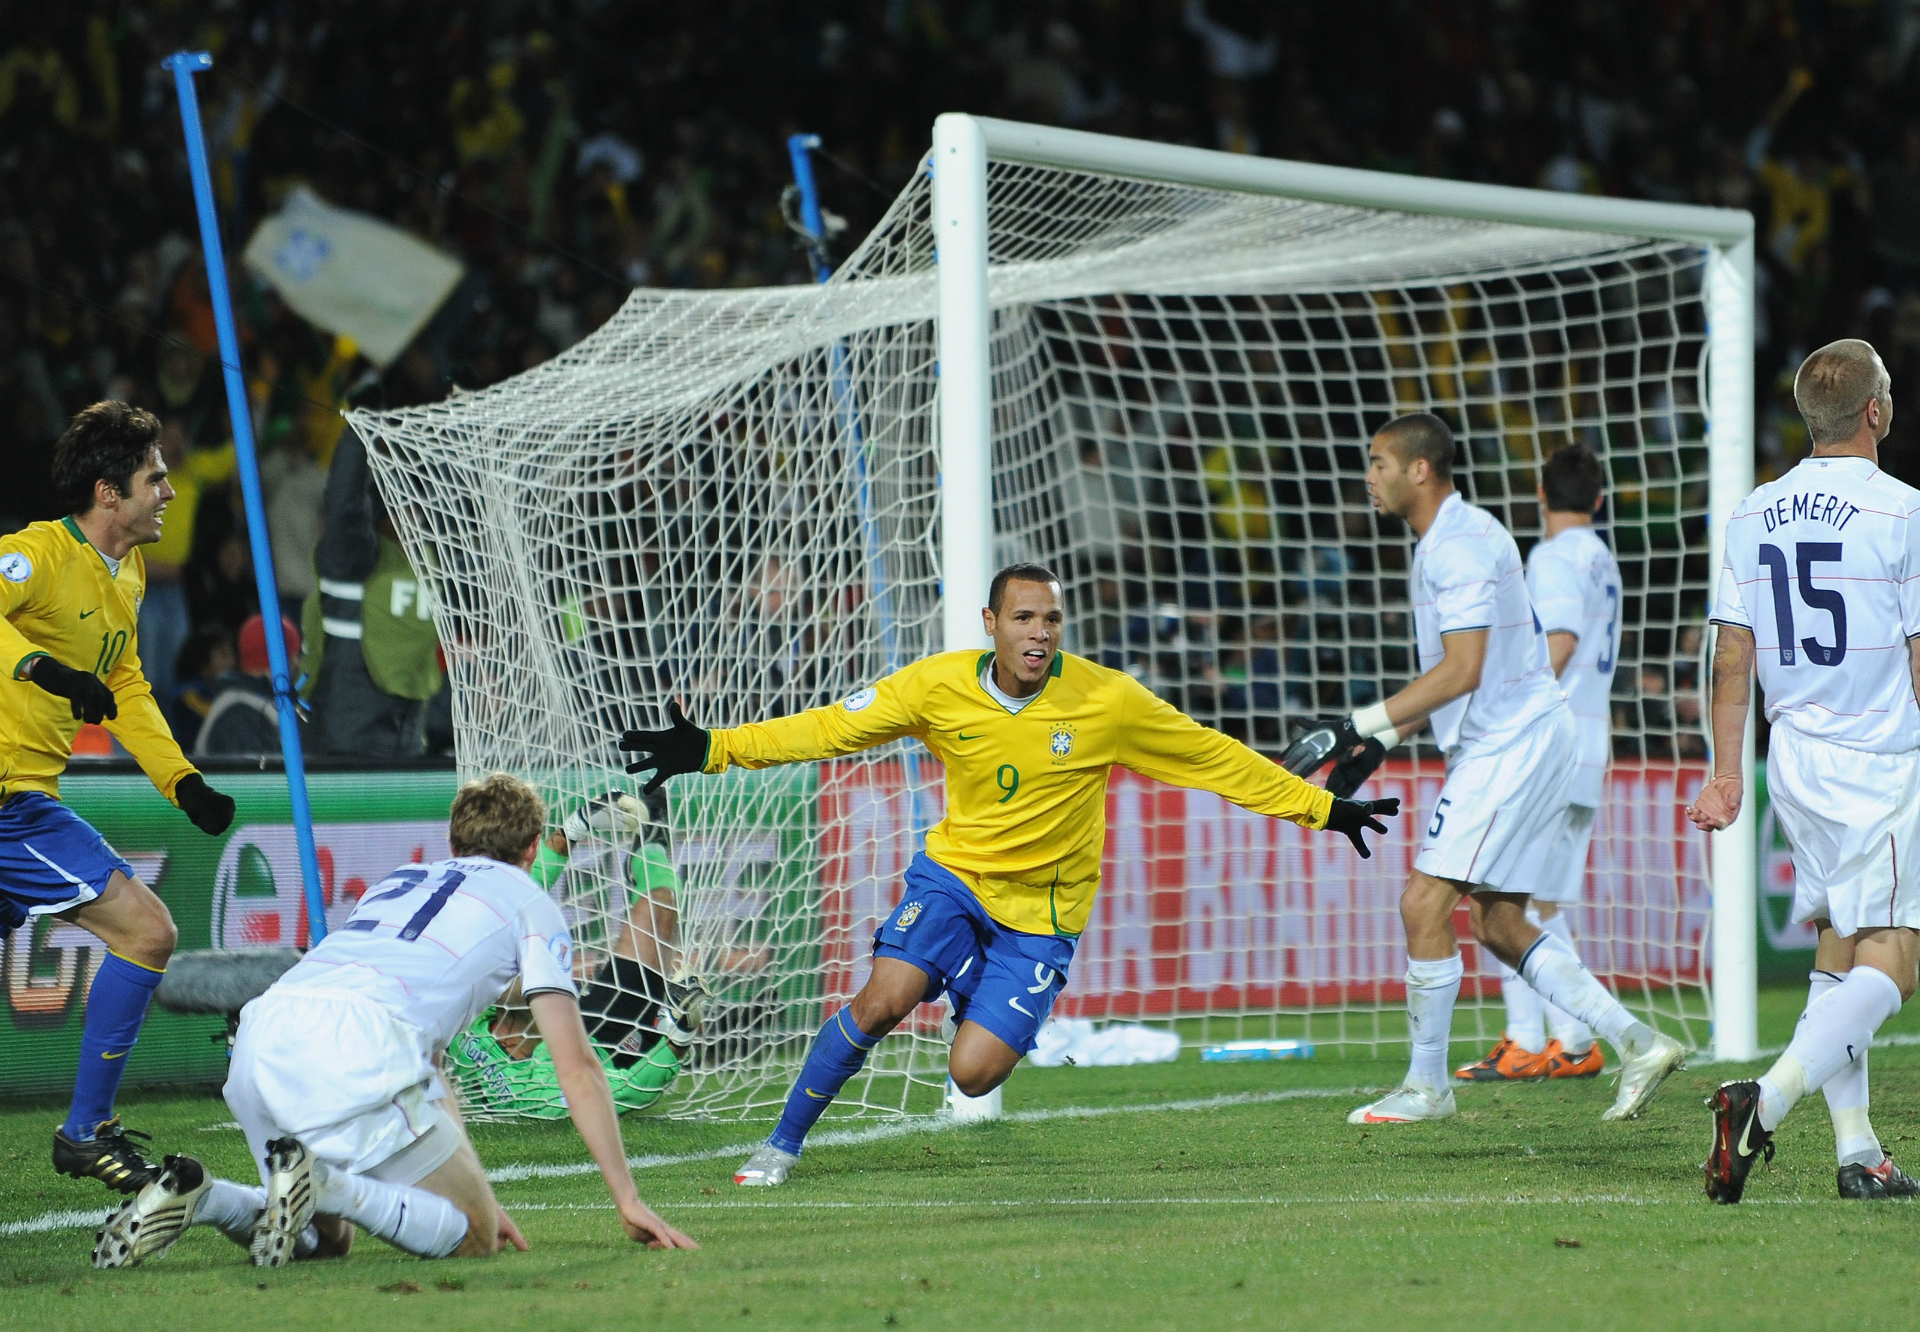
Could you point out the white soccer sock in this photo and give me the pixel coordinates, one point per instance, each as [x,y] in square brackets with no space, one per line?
[422,1223]
[1854,1140]
[1526,1011]
[1556,971]
[1575,1036]
[1431,989]
[1836,1028]
[231,1209]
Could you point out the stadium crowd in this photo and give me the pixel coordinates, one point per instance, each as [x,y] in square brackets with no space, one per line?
[567,150]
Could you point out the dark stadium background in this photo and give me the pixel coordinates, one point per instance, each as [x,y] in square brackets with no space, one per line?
[501,131]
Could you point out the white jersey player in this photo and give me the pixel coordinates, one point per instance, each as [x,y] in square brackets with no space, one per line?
[335,1077]
[1820,596]
[1500,718]
[1574,584]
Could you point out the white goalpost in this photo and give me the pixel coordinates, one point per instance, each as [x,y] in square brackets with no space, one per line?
[1154,368]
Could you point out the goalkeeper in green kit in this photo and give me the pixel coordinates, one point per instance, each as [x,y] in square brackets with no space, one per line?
[640,1021]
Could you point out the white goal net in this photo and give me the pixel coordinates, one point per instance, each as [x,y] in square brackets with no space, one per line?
[733,498]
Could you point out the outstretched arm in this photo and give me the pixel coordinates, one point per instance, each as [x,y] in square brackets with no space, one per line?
[886,711]
[1718,803]
[590,1103]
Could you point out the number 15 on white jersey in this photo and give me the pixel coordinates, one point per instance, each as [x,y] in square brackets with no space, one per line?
[1823,566]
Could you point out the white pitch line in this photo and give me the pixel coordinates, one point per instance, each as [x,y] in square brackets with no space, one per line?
[1333,1200]
[927,1124]
[67,1220]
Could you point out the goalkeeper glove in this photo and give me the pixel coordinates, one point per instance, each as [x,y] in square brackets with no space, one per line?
[679,1014]
[613,815]
[1353,817]
[680,748]
[92,700]
[1355,745]
[211,812]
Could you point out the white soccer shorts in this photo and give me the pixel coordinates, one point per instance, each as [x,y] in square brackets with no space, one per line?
[352,1082]
[1498,819]
[1852,820]
[1564,877]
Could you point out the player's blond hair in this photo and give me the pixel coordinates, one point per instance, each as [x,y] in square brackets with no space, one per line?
[1834,386]
[495,817]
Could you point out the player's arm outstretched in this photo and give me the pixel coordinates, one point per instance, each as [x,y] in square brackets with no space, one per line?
[590,1103]
[1158,740]
[1358,744]
[887,711]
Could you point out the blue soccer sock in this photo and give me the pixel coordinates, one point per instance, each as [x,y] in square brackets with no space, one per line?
[116,1006]
[838,1052]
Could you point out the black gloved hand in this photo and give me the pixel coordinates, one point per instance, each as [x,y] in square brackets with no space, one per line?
[92,700]
[211,812]
[1355,768]
[1319,747]
[681,748]
[1352,817]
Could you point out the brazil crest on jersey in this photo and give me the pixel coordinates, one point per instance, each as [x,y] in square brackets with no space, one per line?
[58,599]
[1027,791]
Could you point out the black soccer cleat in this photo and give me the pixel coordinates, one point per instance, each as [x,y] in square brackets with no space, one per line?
[1873,1183]
[1738,1140]
[108,1157]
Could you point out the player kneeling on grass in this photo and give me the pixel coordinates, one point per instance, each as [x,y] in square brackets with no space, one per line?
[334,1077]
[1510,743]
[1821,597]
[996,900]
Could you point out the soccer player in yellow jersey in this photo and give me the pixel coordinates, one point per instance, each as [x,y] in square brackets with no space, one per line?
[70,596]
[997,899]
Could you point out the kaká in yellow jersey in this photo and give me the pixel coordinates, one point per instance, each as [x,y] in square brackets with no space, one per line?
[58,599]
[1027,791]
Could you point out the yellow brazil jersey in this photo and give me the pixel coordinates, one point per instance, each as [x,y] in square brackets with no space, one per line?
[58,599]
[1027,791]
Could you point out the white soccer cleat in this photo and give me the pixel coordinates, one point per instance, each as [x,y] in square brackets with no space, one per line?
[1641,1076]
[767,1168]
[148,1223]
[1406,1105]
[289,1208]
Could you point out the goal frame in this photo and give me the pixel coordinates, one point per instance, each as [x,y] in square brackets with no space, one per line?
[962,146]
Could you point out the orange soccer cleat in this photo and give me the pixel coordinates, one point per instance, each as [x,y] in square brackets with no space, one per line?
[1506,1062]
[1586,1064]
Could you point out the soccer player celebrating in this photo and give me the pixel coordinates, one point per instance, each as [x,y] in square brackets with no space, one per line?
[1574,585]
[334,1076]
[1509,739]
[996,900]
[1821,595]
[70,595]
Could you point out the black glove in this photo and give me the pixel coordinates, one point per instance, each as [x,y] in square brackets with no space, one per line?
[211,812]
[681,748]
[92,700]
[1355,768]
[1352,817]
[1317,748]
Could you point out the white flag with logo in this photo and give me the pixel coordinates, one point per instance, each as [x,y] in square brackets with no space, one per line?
[350,273]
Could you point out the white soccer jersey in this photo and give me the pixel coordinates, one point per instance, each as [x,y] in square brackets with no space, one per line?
[1574,584]
[1467,575]
[435,944]
[1823,566]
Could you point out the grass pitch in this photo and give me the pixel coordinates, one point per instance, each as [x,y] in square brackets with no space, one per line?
[1176,1196]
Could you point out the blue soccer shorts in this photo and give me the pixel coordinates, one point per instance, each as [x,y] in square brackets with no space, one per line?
[1005,980]
[50,859]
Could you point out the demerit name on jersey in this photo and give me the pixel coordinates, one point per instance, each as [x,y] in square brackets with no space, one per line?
[1823,566]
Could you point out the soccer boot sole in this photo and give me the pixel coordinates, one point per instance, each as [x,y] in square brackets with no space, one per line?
[289,1207]
[148,1223]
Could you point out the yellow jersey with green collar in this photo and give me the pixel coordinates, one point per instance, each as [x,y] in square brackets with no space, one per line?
[59,599]
[1026,814]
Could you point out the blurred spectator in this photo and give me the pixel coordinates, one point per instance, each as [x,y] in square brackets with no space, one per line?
[243,719]
[295,487]
[206,659]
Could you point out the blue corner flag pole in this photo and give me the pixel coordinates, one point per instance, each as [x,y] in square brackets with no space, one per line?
[800,150]
[184,64]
